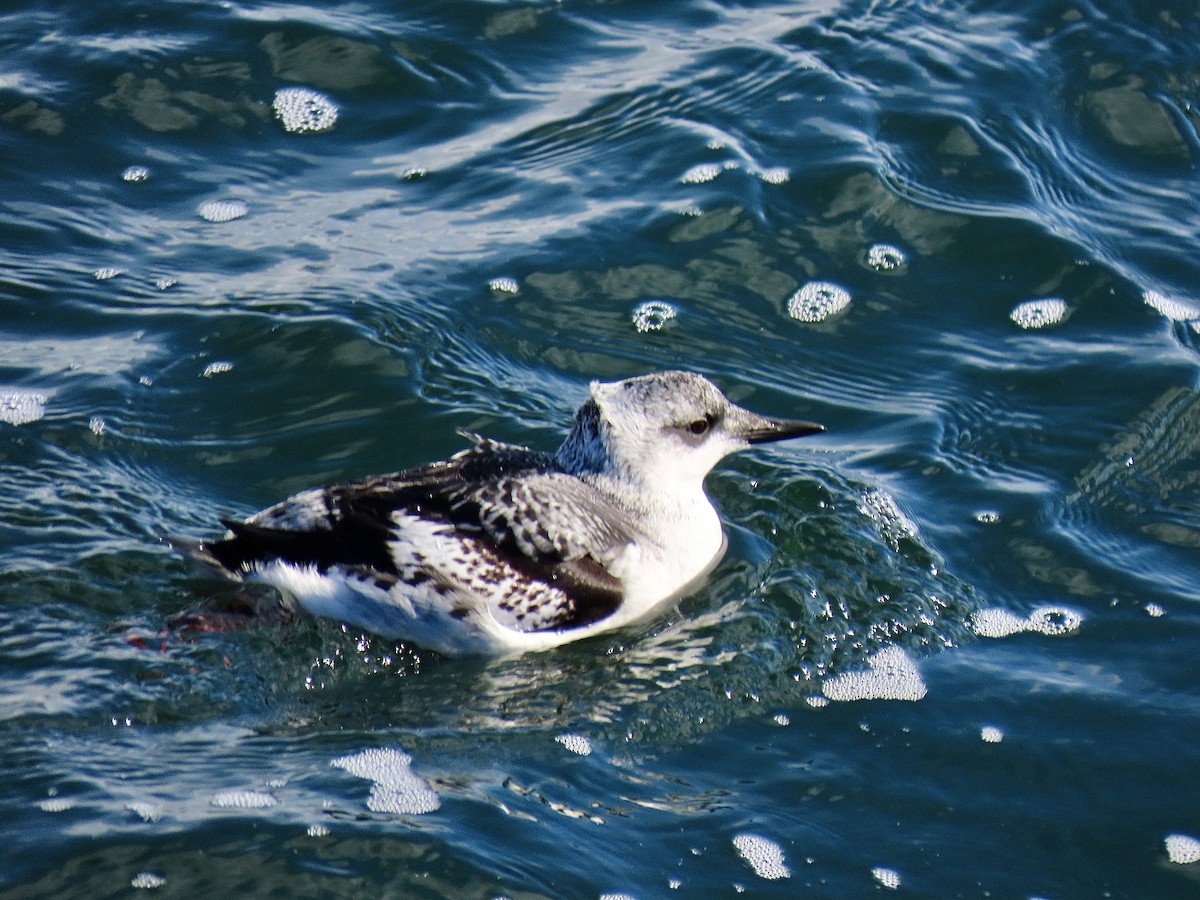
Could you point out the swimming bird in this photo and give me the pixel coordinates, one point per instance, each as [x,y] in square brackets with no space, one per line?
[503,549]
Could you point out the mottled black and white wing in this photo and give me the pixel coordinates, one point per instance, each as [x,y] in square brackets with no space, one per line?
[492,530]
[556,531]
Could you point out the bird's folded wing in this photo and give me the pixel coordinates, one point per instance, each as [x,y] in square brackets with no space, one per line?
[550,530]
[556,531]
[547,516]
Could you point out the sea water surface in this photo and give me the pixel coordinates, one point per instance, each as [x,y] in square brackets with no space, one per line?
[954,647]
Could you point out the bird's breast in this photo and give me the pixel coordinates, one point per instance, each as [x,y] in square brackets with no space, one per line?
[677,551]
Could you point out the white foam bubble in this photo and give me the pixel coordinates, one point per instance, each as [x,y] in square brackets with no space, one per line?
[21,407]
[700,174]
[576,743]
[990,734]
[396,788]
[775,175]
[817,301]
[219,367]
[781,719]
[997,623]
[885,257]
[889,878]
[222,210]
[302,110]
[1054,620]
[136,174]
[243,800]
[763,854]
[317,831]
[163,282]
[1050,620]
[653,315]
[1154,610]
[1182,849]
[146,810]
[147,881]
[1172,307]
[893,675]
[105,273]
[1039,313]
[56,804]
[505,285]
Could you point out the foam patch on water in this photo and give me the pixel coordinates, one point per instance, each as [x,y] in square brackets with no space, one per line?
[136,174]
[56,804]
[222,210]
[1182,849]
[889,878]
[893,675]
[146,811]
[1172,307]
[817,301]
[763,854]
[653,315]
[701,174]
[1049,620]
[990,734]
[395,788]
[885,257]
[775,175]
[302,110]
[220,367]
[147,881]
[1154,610]
[576,743]
[21,407]
[1039,313]
[106,273]
[1054,620]
[504,285]
[243,800]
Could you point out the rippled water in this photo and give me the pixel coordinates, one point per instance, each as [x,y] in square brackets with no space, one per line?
[952,652]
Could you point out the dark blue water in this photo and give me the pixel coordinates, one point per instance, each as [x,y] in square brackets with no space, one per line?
[994,548]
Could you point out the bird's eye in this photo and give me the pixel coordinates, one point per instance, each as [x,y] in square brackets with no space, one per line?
[698,427]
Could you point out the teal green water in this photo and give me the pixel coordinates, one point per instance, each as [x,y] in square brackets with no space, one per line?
[160,369]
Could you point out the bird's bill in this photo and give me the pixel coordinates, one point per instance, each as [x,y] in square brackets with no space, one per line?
[758,429]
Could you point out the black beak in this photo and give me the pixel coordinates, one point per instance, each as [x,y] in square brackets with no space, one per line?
[758,429]
[781,430]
